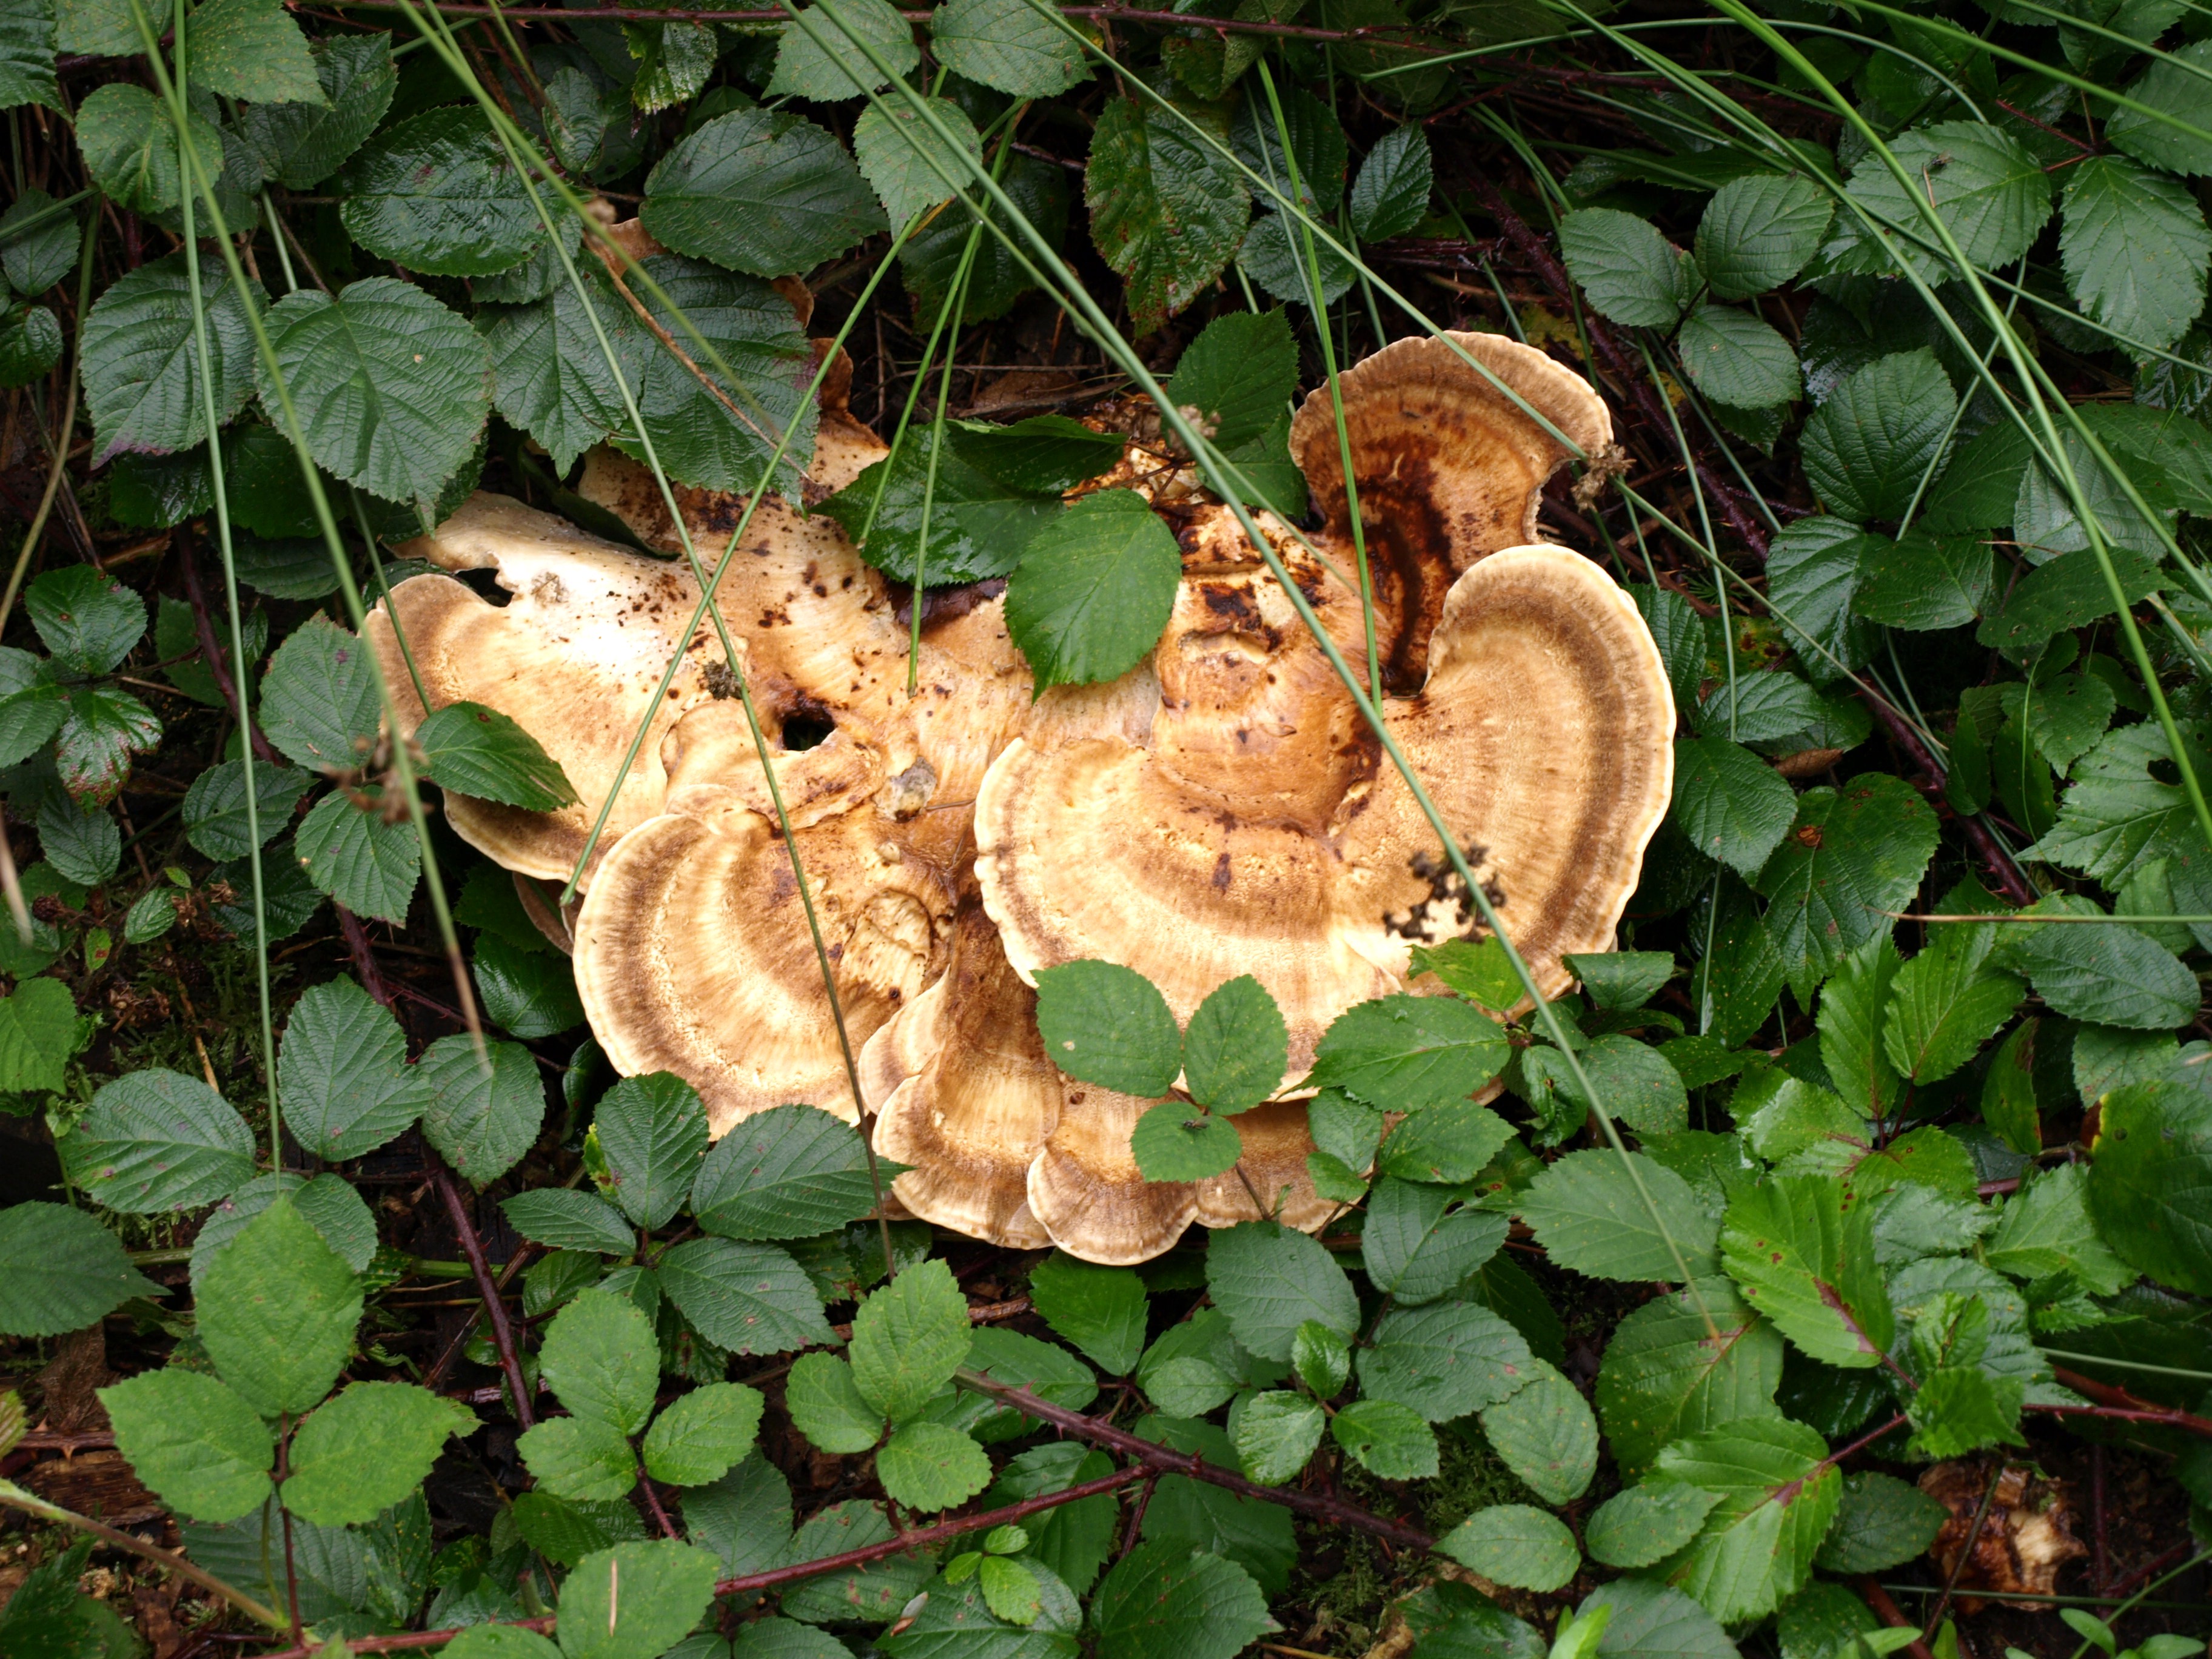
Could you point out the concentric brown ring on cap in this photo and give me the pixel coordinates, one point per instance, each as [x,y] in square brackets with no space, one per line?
[693,954]
[1544,737]
[1450,467]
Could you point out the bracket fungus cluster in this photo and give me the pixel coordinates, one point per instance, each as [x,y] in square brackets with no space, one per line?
[1224,808]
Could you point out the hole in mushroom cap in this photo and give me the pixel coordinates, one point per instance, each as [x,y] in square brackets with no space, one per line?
[484,583]
[802,732]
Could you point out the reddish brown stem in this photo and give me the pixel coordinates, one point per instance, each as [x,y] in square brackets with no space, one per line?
[2010,883]
[1386,34]
[2119,1403]
[218,661]
[959,1527]
[1167,1460]
[503,1330]
[653,1503]
[1887,1611]
[364,960]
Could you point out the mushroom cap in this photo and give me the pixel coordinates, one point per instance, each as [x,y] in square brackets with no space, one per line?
[575,657]
[693,954]
[1450,468]
[1545,736]
[962,1091]
[1195,850]
[1086,1189]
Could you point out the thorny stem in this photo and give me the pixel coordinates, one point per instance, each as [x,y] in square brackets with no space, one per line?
[1888,1612]
[15,1498]
[502,1330]
[1396,36]
[2014,885]
[1165,1460]
[922,1538]
[2114,1401]
[364,960]
[62,430]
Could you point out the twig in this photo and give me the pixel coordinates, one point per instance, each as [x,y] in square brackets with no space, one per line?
[2119,1403]
[959,1527]
[364,960]
[1887,1611]
[503,1330]
[14,1497]
[2011,882]
[1167,1460]
[211,647]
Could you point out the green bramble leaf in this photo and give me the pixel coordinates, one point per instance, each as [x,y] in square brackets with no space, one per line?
[762,192]
[277,1310]
[129,143]
[1386,1440]
[342,1075]
[60,1270]
[1630,273]
[141,365]
[2153,1156]
[931,1466]
[390,388]
[1166,213]
[1094,588]
[1737,359]
[634,1601]
[1922,582]
[602,1360]
[1809,1265]
[1776,1500]
[1008,45]
[366,1448]
[1100,1310]
[1391,192]
[908,1337]
[202,1449]
[1176,1142]
[437,194]
[253,50]
[827,1405]
[1732,805]
[1586,1211]
[900,153]
[789,1172]
[1108,1025]
[1758,232]
[1544,1431]
[302,143]
[1270,1279]
[1515,1545]
[158,1140]
[1275,1432]
[483,1124]
[1164,1602]
[652,1131]
[1881,1523]
[2135,246]
[1868,445]
[1645,1524]
[351,853]
[1666,1374]
[819,58]
[1982,183]
[748,1298]
[701,1436]
[474,750]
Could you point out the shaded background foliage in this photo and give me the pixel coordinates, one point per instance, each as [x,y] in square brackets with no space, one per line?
[1900,314]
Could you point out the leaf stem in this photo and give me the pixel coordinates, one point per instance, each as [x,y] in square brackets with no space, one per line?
[14,1497]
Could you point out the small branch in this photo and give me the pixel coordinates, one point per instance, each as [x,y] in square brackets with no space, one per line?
[211,647]
[653,1503]
[2119,1403]
[1166,1461]
[905,1543]
[364,960]
[1966,1553]
[14,1497]
[503,1330]
[1887,1611]
[2014,886]
[1383,34]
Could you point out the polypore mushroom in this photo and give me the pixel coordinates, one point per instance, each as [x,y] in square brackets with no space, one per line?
[1238,815]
